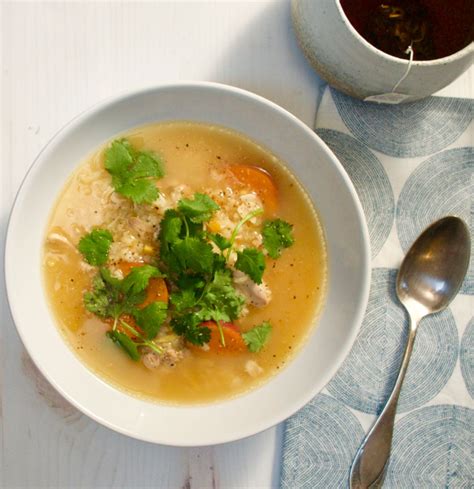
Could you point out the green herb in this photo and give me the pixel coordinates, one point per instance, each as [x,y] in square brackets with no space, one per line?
[277,235]
[189,326]
[95,246]
[236,230]
[194,255]
[183,299]
[198,210]
[221,242]
[134,173]
[199,278]
[125,342]
[111,298]
[220,301]
[252,262]
[256,338]
[151,317]
[138,278]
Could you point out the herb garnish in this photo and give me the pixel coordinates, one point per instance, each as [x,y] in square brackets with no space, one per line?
[252,262]
[134,173]
[277,235]
[112,298]
[95,246]
[198,275]
[256,337]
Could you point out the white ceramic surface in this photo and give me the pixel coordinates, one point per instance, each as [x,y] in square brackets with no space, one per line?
[326,183]
[351,64]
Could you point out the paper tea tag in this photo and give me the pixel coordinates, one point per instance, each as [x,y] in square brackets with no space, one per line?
[387,98]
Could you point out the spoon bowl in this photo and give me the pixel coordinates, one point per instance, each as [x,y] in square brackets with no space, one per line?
[429,278]
[433,270]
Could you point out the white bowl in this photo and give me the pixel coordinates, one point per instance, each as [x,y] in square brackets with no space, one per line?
[351,64]
[348,248]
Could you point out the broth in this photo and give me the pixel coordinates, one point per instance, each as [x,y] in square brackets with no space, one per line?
[297,279]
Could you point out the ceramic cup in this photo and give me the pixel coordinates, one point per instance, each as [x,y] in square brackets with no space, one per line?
[352,65]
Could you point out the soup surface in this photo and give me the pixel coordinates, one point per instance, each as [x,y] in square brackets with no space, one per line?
[184,263]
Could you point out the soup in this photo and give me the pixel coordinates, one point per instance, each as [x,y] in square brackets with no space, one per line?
[184,263]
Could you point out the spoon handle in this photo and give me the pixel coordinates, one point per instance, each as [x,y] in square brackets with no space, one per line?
[371,460]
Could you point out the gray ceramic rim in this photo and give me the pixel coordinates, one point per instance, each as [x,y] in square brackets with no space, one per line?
[291,407]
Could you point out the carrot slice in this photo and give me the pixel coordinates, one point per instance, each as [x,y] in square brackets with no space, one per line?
[260,182]
[234,342]
[156,291]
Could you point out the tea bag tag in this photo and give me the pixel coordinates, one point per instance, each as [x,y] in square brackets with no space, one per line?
[387,98]
[394,97]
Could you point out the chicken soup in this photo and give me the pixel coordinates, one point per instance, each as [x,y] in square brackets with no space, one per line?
[184,263]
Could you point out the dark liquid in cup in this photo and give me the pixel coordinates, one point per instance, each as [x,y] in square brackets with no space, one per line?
[433,28]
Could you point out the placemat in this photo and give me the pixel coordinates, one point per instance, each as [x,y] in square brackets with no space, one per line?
[410,164]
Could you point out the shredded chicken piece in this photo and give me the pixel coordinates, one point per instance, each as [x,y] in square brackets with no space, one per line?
[171,355]
[58,238]
[253,368]
[151,360]
[259,295]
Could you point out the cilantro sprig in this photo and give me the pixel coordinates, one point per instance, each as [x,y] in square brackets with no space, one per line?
[252,262]
[277,235]
[257,337]
[134,173]
[95,246]
[199,276]
[112,298]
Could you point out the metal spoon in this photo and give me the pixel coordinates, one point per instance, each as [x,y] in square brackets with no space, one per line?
[428,280]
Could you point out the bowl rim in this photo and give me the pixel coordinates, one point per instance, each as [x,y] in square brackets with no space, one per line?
[292,407]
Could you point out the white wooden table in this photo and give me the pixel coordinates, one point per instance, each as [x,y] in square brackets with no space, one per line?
[57,59]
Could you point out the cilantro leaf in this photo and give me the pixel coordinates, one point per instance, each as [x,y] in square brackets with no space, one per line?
[188,325]
[147,165]
[95,246]
[252,262]
[198,210]
[98,300]
[221,242]
[118,157]
[151,317]
[194,254]
[133,172]
[170,229]
[183,299]
[137,280]
[220,301]
[277,235]
[256,337]
[125,342]
[138,190]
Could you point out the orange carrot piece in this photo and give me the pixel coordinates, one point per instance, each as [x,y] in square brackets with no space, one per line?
[234,342]
[260,182]
[156,291]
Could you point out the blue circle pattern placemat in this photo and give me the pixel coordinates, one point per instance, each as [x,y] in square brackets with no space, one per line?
[368,374]
[429,148]
[414,129]
[369,179]
[433,447]
[466,356]
[323,448]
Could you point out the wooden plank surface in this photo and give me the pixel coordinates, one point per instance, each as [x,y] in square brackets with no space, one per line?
[57,59]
